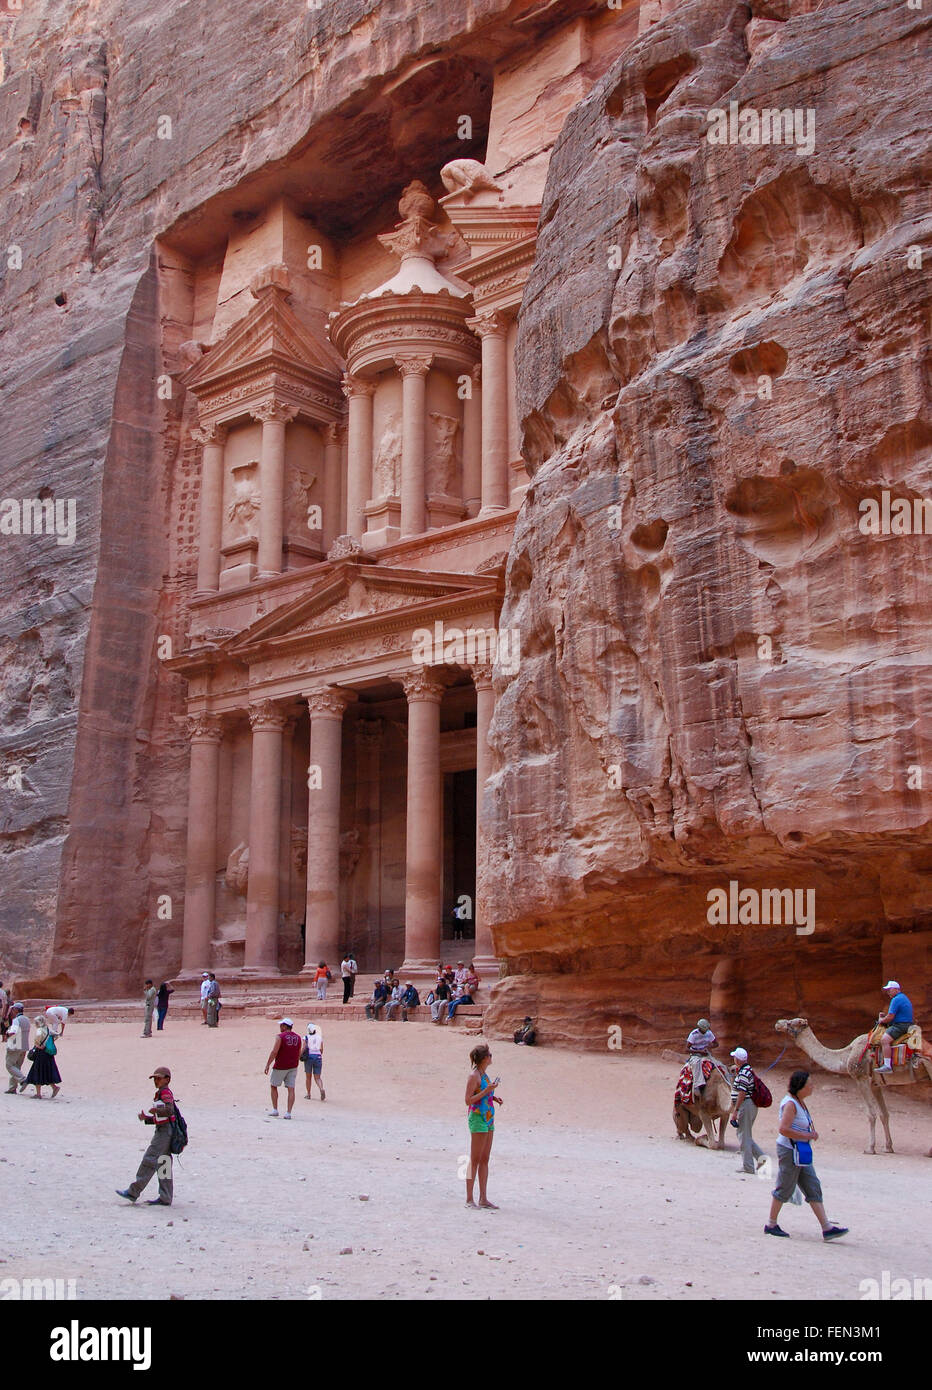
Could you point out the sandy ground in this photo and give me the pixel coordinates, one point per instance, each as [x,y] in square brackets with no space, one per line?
[598,1200]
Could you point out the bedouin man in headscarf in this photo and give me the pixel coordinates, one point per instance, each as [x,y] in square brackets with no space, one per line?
[699,1044]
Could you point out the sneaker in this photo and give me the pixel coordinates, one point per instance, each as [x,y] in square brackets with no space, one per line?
[287,1115]
[884,1068]
[834,1232]
[761,1160]
[776,1231]
[157,1202]
[274,1112]
[128,1195]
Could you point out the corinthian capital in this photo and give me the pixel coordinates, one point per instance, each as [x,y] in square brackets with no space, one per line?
[329,701]
[356,385]
[423,684]
[414,364]
[209,432]
[204,728]
[489,325]
[265,716]
[273,410]
[481,673]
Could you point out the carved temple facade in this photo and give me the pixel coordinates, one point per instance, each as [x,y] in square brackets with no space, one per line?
[359,476]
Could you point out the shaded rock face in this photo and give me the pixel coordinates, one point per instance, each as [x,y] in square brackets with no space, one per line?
[723,352]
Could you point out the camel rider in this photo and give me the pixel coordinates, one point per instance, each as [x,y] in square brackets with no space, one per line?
[898,1021]
[699,1044]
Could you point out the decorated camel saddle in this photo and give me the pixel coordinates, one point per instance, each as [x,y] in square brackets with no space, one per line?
[903,1053]
[683,1095]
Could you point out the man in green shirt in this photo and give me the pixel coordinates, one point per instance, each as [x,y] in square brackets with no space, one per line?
[149,998]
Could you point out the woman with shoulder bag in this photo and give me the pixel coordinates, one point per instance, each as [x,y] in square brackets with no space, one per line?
[795,1138]
[44,1070]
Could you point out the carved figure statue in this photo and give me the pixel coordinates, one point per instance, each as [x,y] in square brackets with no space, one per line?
[236,877]
[297,500]
[350,850]
[386,470]
[467,175]
[443,458]
[245,504]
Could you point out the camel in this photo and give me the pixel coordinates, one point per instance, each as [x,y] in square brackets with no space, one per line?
[715,1105]
[853,1061]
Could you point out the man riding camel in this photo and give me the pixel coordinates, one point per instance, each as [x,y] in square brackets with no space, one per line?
[699,1044]
[898,1021]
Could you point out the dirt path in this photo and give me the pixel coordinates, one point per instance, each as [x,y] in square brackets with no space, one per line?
[597,1198]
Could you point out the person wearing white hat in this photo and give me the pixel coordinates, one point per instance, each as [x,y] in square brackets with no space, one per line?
[205,992]
[283,1059]
[744,1113]
[898,1020]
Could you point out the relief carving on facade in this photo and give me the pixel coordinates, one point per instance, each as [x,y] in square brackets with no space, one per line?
[244,506]
[468,176]
[444,465]
[350,850]
[236,876]
[386,470]
[298,502]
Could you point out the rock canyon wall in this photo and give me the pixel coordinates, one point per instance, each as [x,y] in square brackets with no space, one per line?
[723,351]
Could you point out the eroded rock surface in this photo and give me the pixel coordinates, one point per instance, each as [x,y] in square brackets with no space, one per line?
[723,350]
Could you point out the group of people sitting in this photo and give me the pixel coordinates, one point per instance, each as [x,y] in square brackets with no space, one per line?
[451,989]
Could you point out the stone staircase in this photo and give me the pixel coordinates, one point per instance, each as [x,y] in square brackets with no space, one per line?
[292,997]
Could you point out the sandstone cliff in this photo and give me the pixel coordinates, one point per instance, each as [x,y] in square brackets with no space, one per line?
[723,351]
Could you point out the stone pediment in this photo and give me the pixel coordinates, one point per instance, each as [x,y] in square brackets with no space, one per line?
[269,341]
[356,593]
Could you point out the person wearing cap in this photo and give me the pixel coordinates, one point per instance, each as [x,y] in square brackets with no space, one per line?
[283,1059]
[461,974]
[699,1044]
[744,1112]
[898,1020]
[205,991]
[526,1035]
[17,1045]
[312,1055]
[158,1156]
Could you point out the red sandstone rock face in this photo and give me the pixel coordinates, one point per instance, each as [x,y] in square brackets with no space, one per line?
[723,351]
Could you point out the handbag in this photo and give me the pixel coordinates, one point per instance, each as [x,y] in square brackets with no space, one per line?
[803,1151]
[31,1055]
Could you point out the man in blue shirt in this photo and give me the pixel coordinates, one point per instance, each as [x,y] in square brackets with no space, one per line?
[898,1021]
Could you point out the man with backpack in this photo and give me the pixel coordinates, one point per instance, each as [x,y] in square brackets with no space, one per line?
[158,1156]
[748,1094]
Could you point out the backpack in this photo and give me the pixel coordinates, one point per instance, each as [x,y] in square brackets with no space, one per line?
[179,1132]
[760,1095]
[49,1046]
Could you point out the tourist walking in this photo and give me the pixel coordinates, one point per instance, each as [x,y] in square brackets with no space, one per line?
[744,1113]
[348,972]
[44,1070]
[161,1004]
[205,987]
[795,1138]
[322,979]
[56,1016]
[150,993]
[283,1060]
[480,1102]
[17,1045]
[312,1055]
[158,1156]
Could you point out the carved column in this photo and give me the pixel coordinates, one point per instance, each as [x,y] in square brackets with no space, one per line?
[274,417]
[322,931]
[206,734]
[268,722]
[413,371]
[369,734]
[483,952]
[472,446]
[359,452]
[493,330]
[333,483]
[424,868]
[211,438]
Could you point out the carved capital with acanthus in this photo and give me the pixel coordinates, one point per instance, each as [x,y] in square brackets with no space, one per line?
[211,432]
[423,683]
[265,716]
[489,325]
[356,385]
[329,701]
[274,410]
[204,728]
[414,364]
[481,673]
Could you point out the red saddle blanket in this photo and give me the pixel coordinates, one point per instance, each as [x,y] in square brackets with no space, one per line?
[683,1094]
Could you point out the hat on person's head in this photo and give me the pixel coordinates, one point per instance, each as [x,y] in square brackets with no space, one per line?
[285,1023]
[892,984]
[21,1007]
[204,975]
[528,1019]
[741,1054]
[703,1025]
[161,1071]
